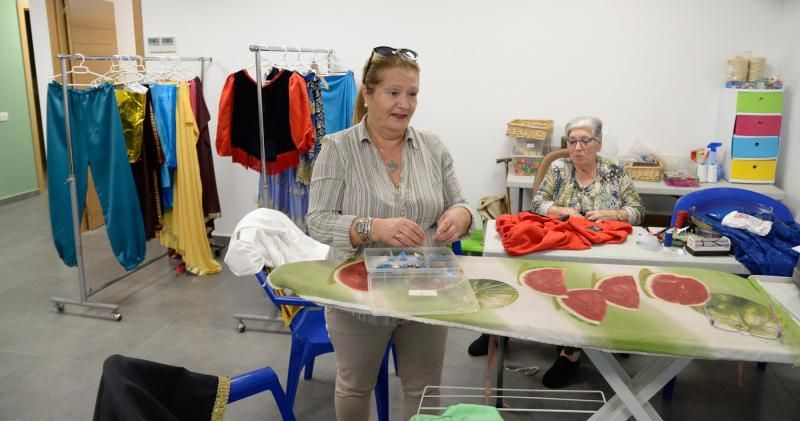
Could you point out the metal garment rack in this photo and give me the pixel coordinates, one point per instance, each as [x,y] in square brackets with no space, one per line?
[258,49]
[73,191]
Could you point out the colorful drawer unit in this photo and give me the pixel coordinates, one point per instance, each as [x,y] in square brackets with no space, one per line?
[749,126]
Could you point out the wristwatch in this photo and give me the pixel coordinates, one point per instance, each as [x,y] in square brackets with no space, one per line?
[364,228]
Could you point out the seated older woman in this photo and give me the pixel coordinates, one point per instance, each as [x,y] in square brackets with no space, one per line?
[588,185]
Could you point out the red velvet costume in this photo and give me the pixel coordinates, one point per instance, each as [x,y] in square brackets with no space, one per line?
[288,131]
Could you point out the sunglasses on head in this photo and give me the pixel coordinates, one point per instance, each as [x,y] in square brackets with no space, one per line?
[385,51]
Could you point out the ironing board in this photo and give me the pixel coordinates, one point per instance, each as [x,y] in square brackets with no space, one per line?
[672,333]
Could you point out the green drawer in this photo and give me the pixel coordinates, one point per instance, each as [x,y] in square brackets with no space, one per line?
[759,102]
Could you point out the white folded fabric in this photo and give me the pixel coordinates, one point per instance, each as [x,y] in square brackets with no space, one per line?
[266,237]
[744,221]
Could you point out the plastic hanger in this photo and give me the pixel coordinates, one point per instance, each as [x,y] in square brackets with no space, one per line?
[125,75]
[80,69]
[300,64]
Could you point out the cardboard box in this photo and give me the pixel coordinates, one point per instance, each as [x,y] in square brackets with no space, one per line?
[93,212]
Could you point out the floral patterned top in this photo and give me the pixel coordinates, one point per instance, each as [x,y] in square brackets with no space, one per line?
[611,189]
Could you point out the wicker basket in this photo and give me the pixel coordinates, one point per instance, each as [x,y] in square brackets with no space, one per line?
[530,129]
[642,172]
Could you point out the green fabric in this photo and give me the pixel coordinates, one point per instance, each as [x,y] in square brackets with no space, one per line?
[463,412]
[473,245]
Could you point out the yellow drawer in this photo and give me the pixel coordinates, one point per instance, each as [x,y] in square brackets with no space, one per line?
[744,170]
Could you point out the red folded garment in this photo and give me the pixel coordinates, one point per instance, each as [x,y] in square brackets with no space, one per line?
[528,233]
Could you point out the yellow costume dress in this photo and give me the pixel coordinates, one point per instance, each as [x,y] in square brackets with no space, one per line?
[184,226]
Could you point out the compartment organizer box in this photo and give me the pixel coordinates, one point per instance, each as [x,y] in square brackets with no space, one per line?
[749,127]
[417,281]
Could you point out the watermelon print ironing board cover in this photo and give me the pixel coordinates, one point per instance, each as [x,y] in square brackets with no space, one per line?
[651,310]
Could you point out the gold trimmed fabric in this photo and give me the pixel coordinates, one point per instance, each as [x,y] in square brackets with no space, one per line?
[223,394]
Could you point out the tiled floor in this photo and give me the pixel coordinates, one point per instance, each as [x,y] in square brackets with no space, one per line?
[50,363]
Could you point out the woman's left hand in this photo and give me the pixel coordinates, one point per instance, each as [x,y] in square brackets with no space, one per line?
[603,215]
[452,225]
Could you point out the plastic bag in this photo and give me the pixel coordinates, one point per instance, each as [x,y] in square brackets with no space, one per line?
[638,154]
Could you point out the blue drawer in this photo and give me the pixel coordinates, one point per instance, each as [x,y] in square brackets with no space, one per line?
[754,147]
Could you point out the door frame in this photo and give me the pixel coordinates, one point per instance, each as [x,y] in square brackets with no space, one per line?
[34,116]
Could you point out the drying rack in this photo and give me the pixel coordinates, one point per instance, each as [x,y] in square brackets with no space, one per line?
[258,49]
[73,191]
[549,401]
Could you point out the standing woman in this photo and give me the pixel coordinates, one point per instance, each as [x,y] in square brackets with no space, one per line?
[383,183]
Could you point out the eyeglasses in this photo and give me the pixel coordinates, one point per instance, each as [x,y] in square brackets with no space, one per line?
[585,141]
[385,51]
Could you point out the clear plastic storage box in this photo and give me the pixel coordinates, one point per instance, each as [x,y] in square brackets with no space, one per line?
[417,281]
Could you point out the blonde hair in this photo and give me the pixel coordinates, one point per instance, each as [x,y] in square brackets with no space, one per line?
[375,76]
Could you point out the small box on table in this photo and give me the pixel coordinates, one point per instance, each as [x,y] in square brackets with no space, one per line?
[525,165]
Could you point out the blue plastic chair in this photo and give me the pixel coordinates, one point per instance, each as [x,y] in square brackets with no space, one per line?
[257,381]
[722,200]
[310,339]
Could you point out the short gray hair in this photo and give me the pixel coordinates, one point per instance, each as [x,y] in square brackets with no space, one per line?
[593,124]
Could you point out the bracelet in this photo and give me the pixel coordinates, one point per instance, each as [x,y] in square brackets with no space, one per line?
[364,228]
[619,215]
[368,230]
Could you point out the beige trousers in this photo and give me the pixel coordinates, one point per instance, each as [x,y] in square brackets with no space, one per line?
[360,347]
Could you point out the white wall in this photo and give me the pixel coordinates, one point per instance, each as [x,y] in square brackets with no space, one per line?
[788,168]
[126,34]
[650,70]
[40,36]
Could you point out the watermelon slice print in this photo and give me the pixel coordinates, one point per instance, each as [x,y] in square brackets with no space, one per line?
[585,304]
[678,289]
[493,294]
[620,291]
[353,275]
[547,281]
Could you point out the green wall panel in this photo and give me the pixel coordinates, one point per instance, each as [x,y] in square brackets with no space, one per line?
[17,164]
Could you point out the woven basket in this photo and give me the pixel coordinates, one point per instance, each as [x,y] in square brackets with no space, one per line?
[530,129]
[641,172]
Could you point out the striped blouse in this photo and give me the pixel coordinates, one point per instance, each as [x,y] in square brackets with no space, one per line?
[350,180]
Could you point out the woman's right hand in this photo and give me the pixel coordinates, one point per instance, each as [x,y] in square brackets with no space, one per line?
[397,232]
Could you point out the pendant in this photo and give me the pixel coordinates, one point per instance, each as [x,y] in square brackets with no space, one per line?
[391,166]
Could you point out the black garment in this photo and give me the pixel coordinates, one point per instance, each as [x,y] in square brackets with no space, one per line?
[211,208]
[146,173]
[132,390]
[277,129]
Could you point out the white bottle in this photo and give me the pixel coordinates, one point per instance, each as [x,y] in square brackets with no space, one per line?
[702,172]
[712,173]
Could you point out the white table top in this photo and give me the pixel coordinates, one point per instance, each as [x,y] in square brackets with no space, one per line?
[661,189]
[627,253]
[783,290]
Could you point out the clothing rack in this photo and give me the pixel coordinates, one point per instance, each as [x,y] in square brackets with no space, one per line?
[258,49]
[73,190]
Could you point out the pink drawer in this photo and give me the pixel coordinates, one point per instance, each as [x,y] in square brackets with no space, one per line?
[758,125]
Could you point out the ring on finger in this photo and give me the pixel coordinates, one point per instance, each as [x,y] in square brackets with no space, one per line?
[398,236]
